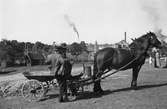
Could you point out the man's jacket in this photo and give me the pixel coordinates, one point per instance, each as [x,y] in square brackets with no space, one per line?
[59,65]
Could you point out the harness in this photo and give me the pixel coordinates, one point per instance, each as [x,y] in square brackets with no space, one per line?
[85,82]
[133,54]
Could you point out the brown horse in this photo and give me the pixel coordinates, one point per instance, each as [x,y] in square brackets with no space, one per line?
[115,58]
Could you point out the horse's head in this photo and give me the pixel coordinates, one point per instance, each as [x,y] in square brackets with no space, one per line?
[153,40]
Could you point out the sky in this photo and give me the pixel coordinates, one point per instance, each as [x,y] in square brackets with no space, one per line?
[104,21]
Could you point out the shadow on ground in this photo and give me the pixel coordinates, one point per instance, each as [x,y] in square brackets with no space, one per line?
[7,72]
[89,94]
[50,96]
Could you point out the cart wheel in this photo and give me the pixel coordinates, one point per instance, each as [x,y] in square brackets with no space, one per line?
[71,95]
[32,90]
[72,91]
[1,94]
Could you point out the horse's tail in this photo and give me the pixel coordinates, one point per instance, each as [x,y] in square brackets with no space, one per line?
[95,70]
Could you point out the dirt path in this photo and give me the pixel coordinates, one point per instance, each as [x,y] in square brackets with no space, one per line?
[151,94]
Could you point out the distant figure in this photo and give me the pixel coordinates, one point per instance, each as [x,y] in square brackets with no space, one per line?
[27,59]
[165,63]
[150,60]
[156,58]
[53,46]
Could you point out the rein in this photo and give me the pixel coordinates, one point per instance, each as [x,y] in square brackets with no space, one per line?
[130,49]
[86,81]
[89,82]
[117,70]
[131,52]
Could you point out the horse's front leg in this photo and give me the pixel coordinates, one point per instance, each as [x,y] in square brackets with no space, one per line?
[135,76]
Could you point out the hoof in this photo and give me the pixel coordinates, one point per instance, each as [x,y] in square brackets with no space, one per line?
[134,87]
[61,100]
[98,91]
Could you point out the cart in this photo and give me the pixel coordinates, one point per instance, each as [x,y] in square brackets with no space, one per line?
[36,86]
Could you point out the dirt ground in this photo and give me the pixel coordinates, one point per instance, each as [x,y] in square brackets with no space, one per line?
[151,94]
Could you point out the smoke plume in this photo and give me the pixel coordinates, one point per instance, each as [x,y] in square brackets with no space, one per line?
[71,24]
[151,8]
[155,11]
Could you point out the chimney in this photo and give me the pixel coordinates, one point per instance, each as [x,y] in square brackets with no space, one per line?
[96,48]
[125,36]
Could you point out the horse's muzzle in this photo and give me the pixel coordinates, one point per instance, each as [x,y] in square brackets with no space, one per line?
[159,46]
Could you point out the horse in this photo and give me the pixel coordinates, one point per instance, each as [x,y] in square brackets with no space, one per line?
[115,58]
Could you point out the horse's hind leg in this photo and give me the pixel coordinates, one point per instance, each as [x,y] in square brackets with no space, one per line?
[97,86]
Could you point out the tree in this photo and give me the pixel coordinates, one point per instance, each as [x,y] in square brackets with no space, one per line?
[83,46]
[7,51]
[75,49]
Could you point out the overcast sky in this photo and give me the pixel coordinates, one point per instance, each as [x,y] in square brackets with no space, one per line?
[101,20]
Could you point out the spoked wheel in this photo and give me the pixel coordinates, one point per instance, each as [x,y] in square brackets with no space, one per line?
[71,96]
[32,90]
[72,91]
[1,94]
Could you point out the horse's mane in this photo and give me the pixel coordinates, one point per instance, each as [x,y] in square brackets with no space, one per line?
[138,41]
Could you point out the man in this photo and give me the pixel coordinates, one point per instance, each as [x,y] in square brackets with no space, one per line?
[61,68]
[156,58]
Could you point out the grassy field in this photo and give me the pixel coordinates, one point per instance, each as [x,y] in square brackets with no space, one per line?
[151,94]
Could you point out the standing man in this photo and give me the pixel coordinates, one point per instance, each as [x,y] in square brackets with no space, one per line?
[53,46]
[61,68]
[156,58]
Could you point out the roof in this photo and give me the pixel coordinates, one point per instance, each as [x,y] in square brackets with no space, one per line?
[122,42]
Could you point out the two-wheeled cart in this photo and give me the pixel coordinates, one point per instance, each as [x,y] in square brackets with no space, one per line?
[36,86]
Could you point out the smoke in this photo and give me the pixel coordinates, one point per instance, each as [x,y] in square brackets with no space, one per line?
[71,24]
[156,14]
[151,8]
[160,36]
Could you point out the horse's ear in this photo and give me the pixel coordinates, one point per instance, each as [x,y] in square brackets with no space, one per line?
[132,39]
[150,32]
[152,35]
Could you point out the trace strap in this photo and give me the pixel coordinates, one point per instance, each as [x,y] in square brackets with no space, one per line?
[89,82]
